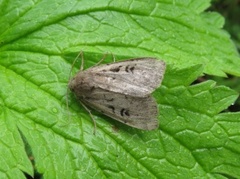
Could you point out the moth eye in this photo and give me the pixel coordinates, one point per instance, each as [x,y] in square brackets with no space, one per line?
[71,86]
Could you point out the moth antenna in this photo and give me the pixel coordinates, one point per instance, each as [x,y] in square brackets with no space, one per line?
[70,75]
[100,61]
[113,57]
[82,62]
[94,122]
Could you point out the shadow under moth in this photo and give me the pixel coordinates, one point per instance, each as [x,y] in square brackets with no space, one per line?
[122,90]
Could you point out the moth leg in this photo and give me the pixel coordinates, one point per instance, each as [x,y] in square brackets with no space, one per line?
[94,122]
[67,103]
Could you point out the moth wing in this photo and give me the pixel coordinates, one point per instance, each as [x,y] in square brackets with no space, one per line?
[135,77]
[137,112]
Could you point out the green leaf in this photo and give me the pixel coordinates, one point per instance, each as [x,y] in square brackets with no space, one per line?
[38,43]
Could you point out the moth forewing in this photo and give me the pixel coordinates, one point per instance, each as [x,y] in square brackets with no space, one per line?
[122,90]
[135,77]
[137,112]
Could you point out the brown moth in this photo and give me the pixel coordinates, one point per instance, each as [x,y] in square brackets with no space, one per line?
[122,90]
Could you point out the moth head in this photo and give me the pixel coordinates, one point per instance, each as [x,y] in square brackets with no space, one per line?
[79,84]
[72,84]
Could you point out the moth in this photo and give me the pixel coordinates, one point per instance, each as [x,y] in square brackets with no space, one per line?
[122,90]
